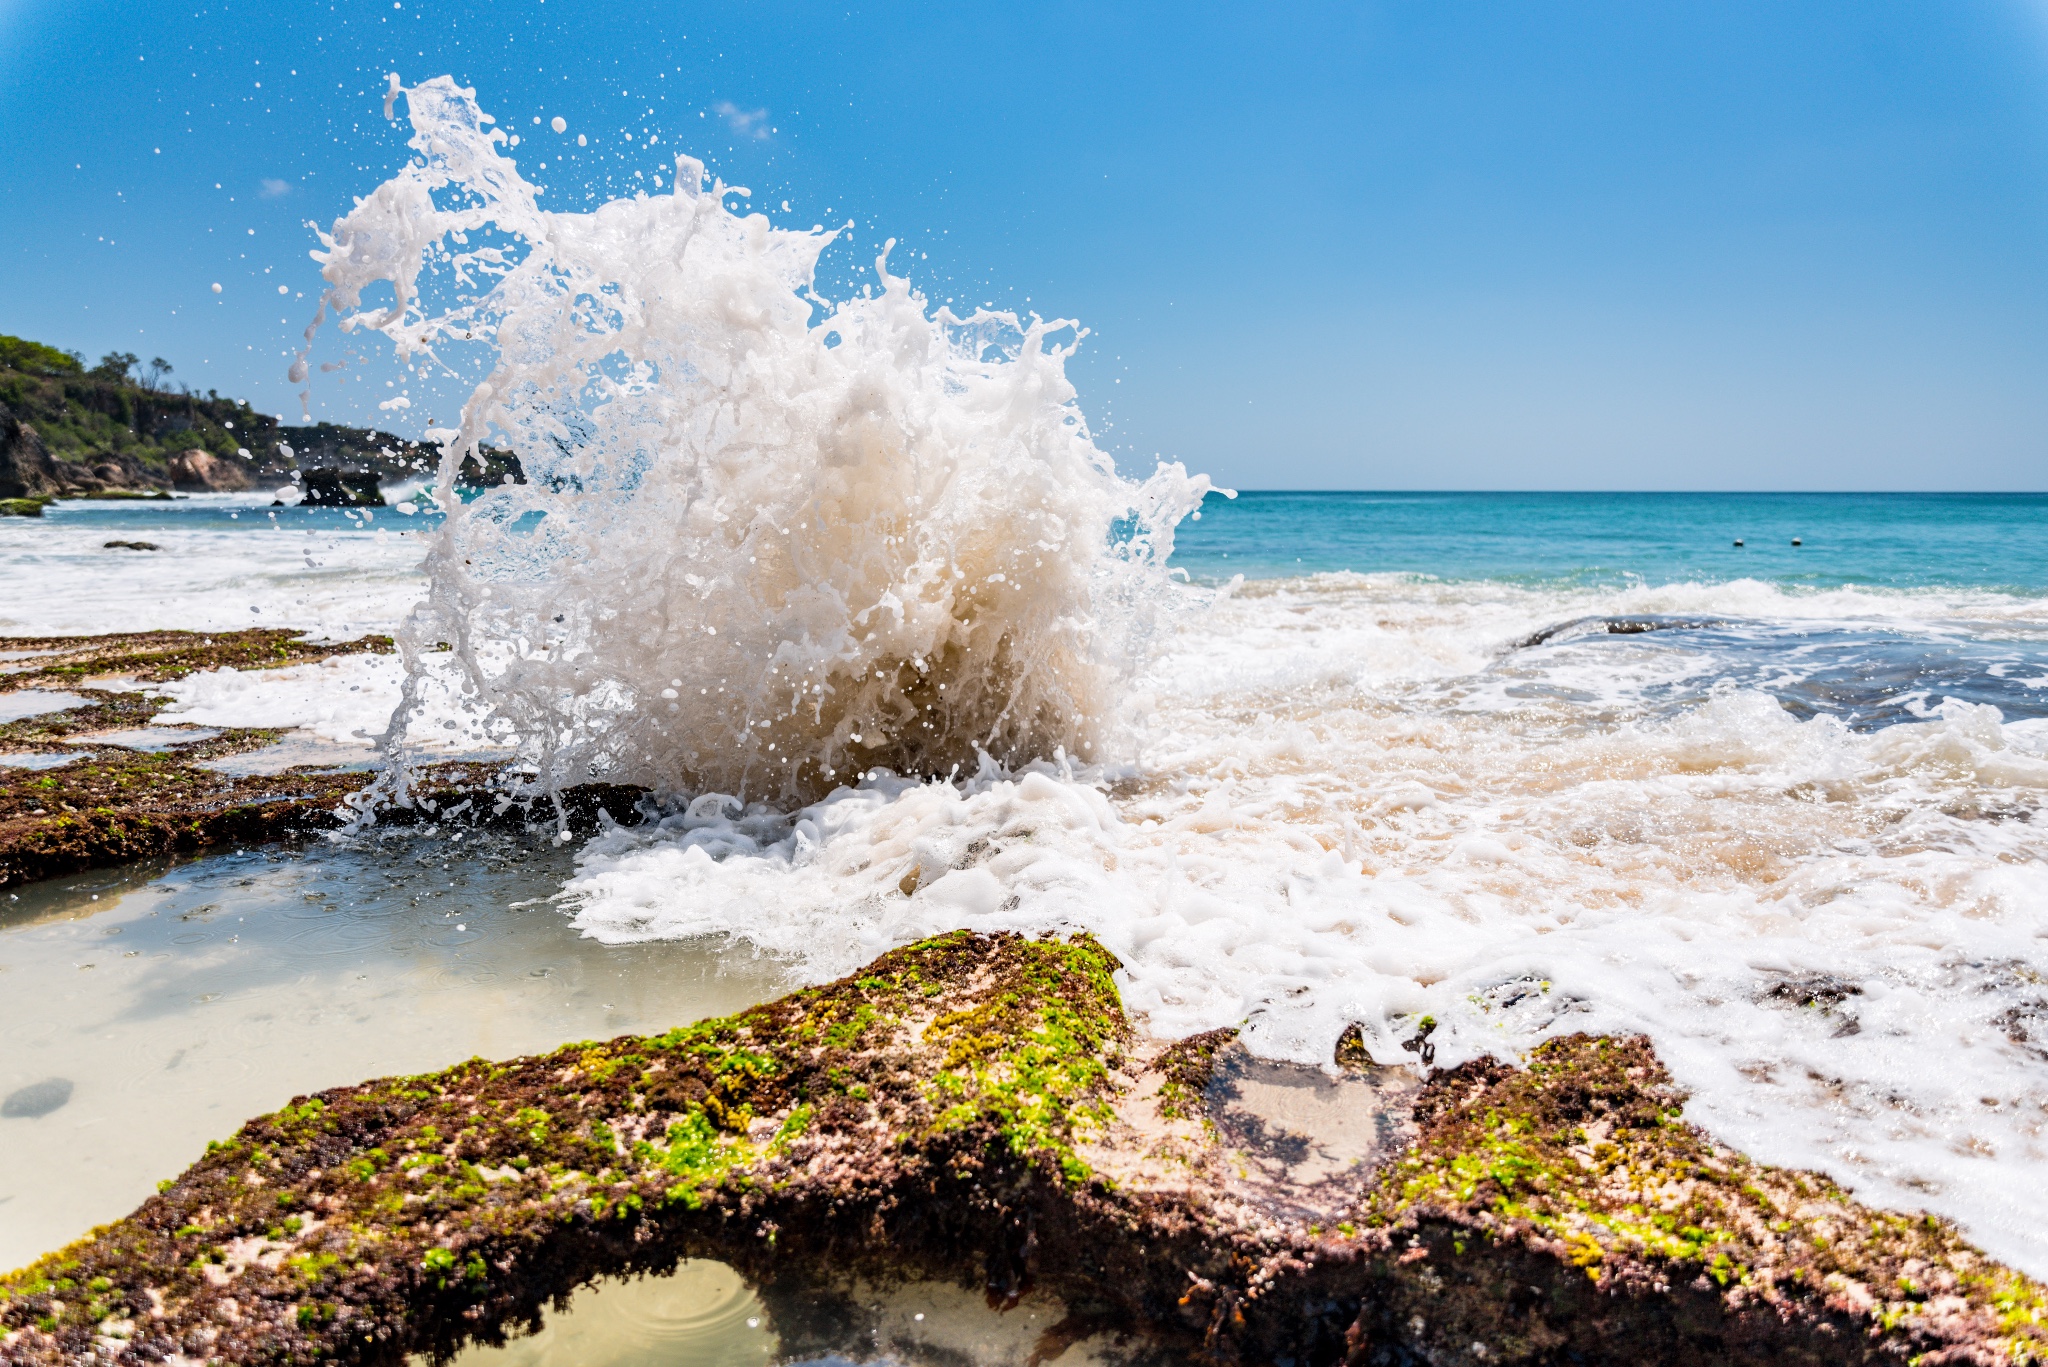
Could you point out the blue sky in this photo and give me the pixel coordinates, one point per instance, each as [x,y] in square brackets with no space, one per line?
[1418,245]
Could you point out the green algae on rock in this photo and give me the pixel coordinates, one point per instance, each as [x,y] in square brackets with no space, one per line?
[115,803]
[976,1108]
[409,1213]
[159,656]
[1582,1158]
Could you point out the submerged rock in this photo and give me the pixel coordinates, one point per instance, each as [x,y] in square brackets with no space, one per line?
[977,1109]
[37,1099]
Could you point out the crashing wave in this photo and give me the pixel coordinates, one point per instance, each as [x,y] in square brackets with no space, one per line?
[769,542]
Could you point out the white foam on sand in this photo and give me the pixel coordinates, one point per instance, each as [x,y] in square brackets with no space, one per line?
[337,579]
[342,701]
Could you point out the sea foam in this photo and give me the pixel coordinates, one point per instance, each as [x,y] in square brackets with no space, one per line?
[768,542]
[850,583]
[1354,803]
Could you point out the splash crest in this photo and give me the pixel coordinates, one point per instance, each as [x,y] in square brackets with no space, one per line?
[769,541]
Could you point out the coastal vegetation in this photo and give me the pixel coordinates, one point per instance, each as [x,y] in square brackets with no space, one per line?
[124,425]
[119,408]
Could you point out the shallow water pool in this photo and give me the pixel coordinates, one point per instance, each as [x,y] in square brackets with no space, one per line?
[149,1009]
[705,1315]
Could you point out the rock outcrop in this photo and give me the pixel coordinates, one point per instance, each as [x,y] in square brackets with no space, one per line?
[977,1109]
[113,804]
[197,471]
[29,474]
[117,804]
[26,469]
[110,471]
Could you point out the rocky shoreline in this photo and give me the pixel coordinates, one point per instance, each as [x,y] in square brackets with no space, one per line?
[102,801]
[70,432]
[971,1109]
[977,1109]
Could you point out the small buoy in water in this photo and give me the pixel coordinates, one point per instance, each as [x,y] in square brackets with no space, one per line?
[1738,541]
[1795,540]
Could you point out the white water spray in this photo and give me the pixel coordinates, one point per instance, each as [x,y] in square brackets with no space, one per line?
[769,542]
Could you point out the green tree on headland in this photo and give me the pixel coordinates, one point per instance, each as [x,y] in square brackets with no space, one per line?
[33,358]
[115,365]
[114,427]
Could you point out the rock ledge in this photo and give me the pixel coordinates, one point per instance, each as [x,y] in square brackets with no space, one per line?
[977,1107]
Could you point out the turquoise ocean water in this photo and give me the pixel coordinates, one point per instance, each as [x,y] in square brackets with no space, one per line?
[1900,541]
[1886,606]
[1890,604]
[1525,763]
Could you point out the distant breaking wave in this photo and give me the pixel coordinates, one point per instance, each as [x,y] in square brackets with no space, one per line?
[771,542]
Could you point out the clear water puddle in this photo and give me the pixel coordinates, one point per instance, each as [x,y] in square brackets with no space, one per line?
[34,702]
[705,1315]
[46,760]
[149,1009]
[154,740]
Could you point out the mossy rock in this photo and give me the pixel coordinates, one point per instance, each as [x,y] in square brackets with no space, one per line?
[115,804]
[159,656]
[976,1108]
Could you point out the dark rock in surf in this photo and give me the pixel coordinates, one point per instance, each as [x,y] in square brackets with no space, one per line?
[1615,626]
[331,488]
[977,1109]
